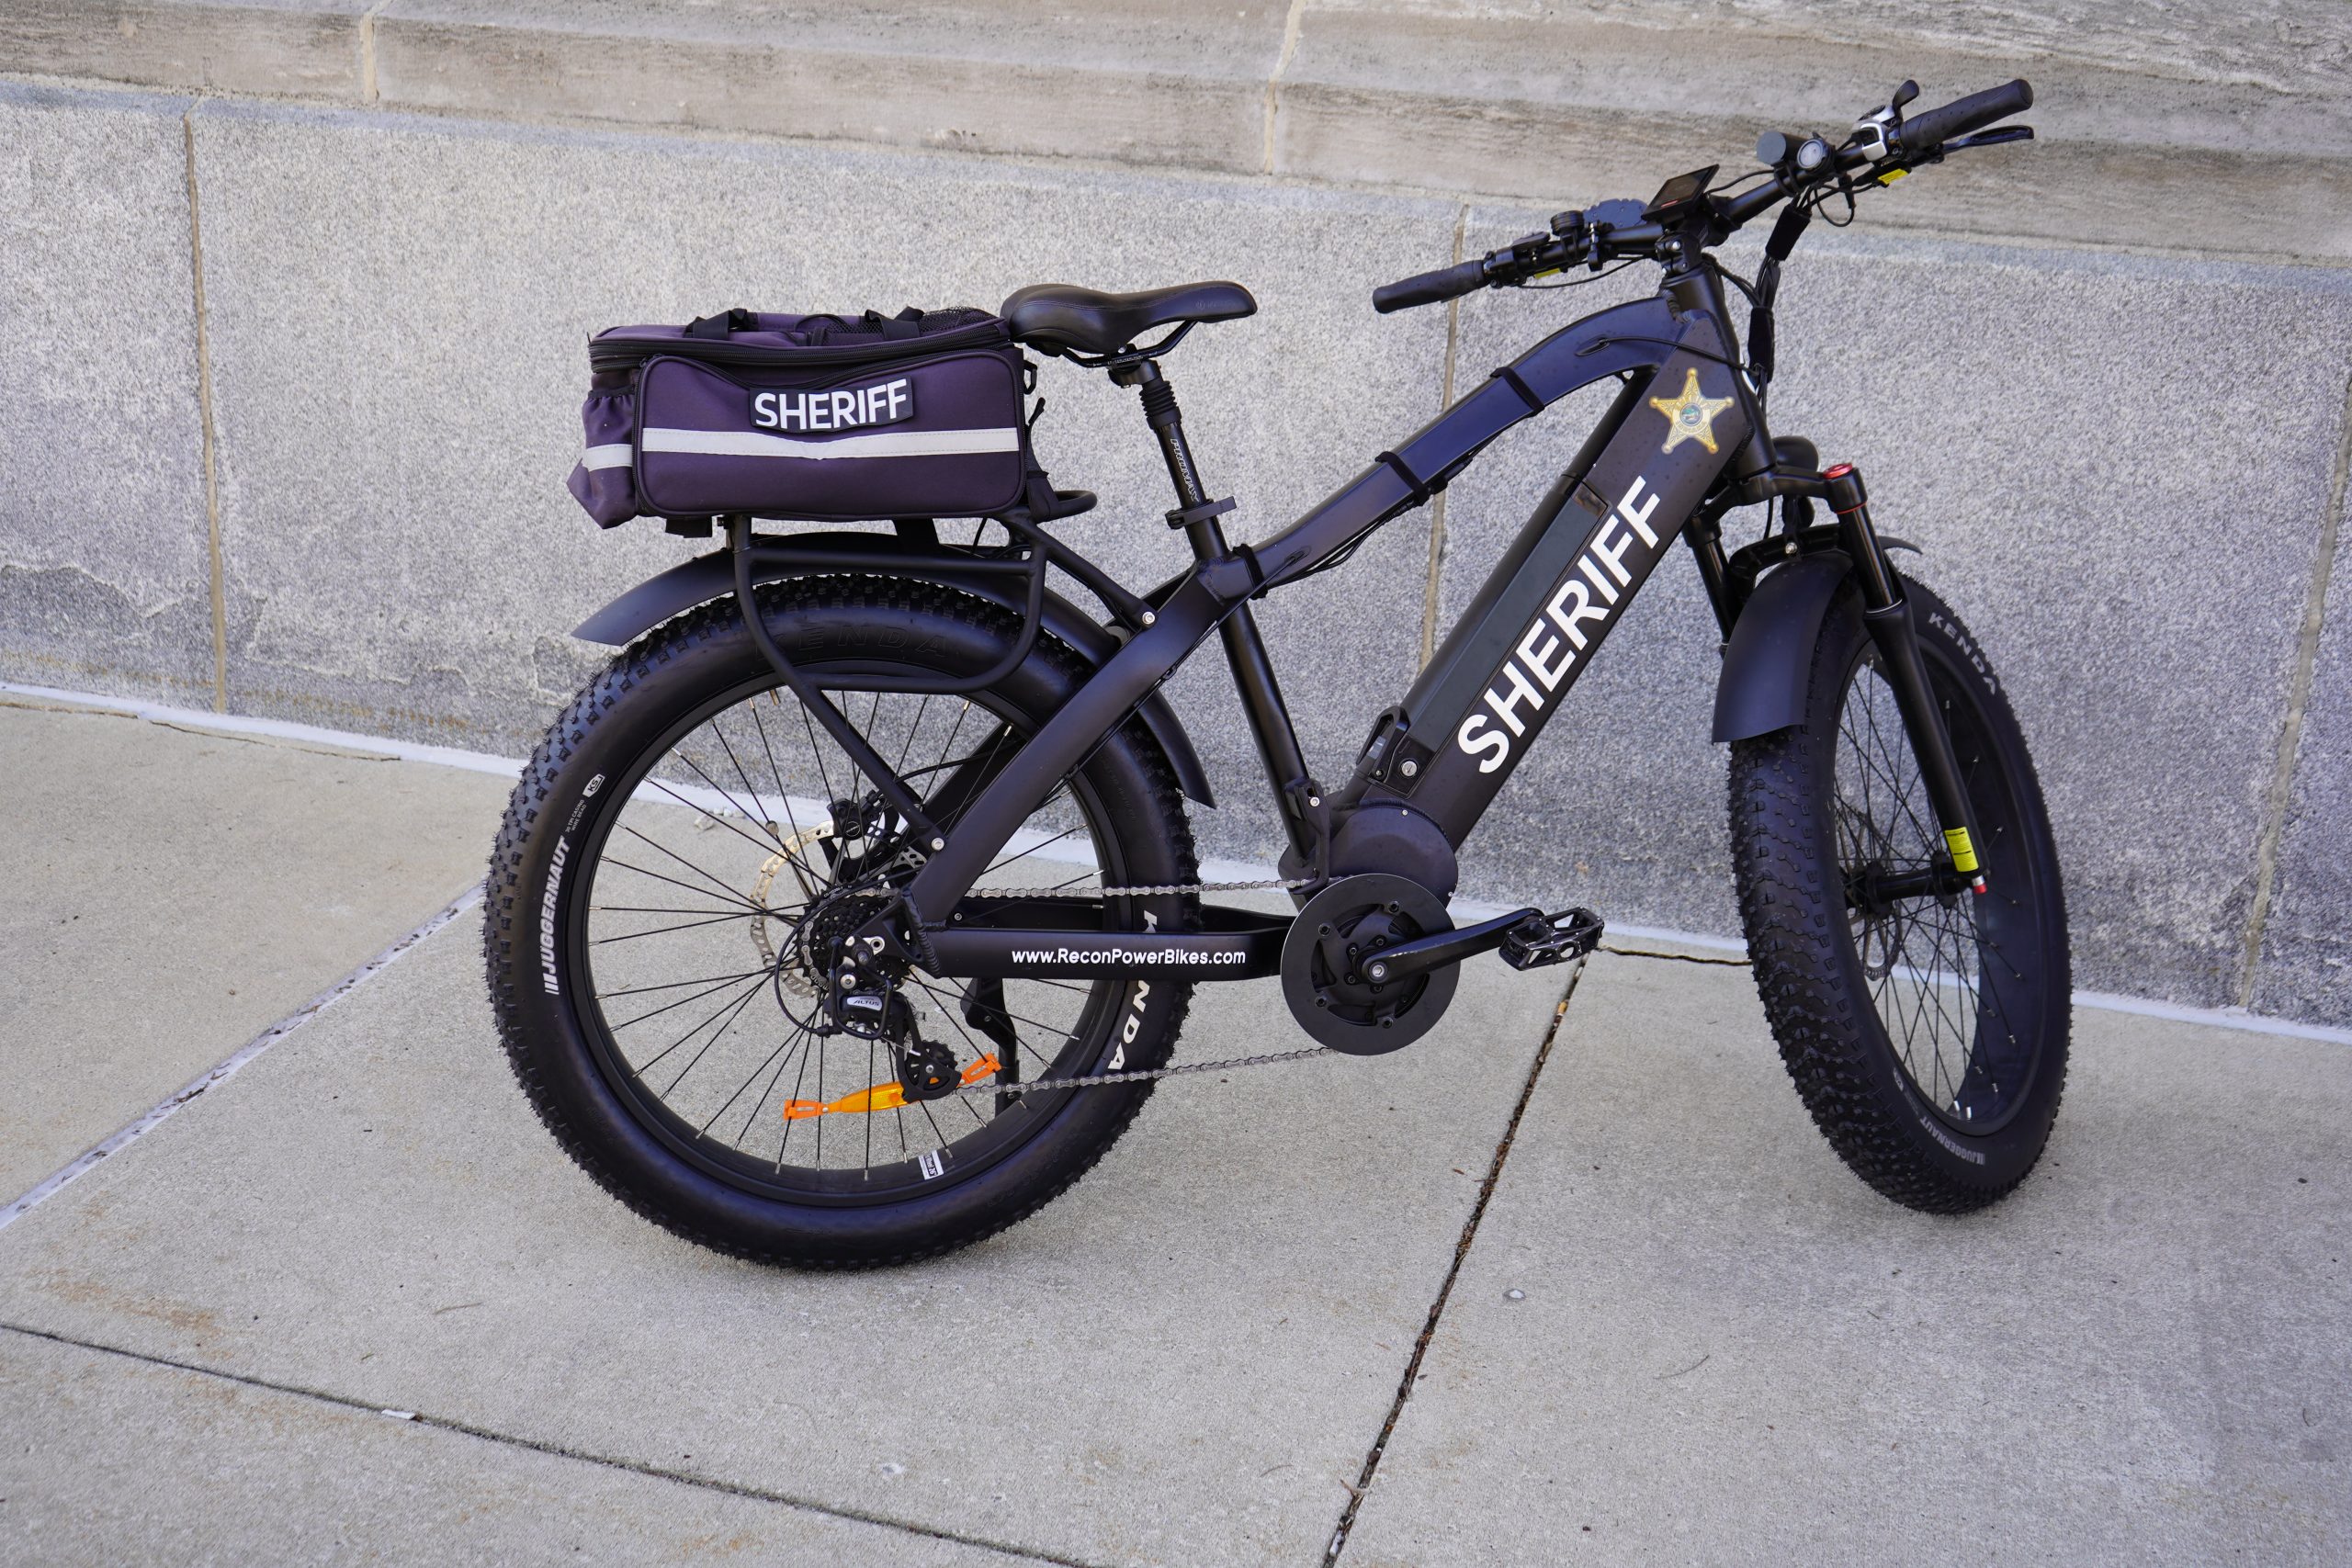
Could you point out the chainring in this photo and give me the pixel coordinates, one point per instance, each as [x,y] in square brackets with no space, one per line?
[1323,979]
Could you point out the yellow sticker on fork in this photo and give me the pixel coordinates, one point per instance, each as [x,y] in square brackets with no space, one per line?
[1963,854]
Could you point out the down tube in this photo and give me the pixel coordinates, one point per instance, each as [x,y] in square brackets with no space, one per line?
[1507,669]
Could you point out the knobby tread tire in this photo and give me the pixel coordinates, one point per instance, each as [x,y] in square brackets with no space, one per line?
[511,905]
[1793,908]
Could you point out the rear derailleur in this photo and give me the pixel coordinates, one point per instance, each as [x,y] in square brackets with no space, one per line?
[926,1070]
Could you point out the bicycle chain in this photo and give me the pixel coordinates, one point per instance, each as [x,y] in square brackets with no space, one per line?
[1100,1081]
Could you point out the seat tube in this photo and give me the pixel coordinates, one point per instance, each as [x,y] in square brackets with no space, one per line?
[1245,649]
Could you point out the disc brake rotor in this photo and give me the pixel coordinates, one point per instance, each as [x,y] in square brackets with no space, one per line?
[795,972]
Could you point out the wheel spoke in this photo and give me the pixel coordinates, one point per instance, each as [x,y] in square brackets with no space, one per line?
[681,1001]
[724,896]
[695,1060]
[736,1002]
[769,845]
[799,1034]
[681,926]
[729,894]
[760,726]
[948,1005]
[1934,968]
[718,1073]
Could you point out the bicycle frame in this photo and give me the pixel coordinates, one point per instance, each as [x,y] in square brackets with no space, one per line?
[1944,1046]
[1476,709]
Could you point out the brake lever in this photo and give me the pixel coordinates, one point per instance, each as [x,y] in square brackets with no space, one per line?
[1992,137]
[1936,154]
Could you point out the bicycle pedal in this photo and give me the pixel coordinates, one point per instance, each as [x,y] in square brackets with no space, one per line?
[1551,939]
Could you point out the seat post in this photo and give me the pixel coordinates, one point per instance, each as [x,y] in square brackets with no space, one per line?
[1167,421]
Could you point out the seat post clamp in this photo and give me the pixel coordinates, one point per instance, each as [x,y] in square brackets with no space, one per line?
[1185,516]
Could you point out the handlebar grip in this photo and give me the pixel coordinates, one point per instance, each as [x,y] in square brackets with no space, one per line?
[1922,131]
[1429,287]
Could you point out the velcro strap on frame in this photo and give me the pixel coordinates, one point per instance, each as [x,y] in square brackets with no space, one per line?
[1792,221]
[1257,573]
[1241,561]
[907,324]
[1510,377]
[1413,482]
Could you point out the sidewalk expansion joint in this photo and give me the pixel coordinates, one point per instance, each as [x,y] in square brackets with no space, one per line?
[2281,796]
[1363,1485]
[367,94]
[212,1078]
[1673,957]
[556,1450]
[1274,83]
[1430,589]
[214,575]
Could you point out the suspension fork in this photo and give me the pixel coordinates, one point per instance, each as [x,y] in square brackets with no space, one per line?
[1886,615]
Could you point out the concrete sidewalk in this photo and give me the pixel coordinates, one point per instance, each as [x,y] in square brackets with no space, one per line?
[172,894]
[354,1304]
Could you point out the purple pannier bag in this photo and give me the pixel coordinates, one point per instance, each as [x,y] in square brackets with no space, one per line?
[825,419]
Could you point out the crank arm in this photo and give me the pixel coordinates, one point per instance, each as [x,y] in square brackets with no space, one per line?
[1528,938]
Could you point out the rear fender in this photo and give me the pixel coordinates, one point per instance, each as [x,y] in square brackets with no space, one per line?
[712,576]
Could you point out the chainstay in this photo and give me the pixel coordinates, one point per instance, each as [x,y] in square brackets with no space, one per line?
[1146,1074]
[1285,885]
[1100,1081]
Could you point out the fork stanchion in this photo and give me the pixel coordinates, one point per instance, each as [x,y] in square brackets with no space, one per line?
[1887,616]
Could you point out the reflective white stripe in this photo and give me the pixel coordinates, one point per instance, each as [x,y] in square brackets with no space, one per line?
[888,444]
[616,456]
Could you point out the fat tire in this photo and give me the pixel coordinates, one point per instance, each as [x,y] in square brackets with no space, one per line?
[661,677]
[1816,995]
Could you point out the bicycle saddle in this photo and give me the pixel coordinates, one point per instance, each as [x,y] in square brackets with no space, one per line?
[1061,317]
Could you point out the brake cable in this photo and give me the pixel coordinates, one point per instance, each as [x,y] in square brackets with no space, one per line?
[1791,225]
[1535,287]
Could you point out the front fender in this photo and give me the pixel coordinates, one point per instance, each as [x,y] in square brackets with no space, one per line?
[1768,661]
[712,576]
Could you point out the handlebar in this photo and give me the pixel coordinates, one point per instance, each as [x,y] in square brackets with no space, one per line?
[1895,144]
[1429,287]
[1923,132]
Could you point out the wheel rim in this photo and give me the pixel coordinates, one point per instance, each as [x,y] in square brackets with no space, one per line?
[723,839]
[1954,978]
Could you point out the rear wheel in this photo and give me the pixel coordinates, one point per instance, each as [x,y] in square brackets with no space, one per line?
[1927,1030]
[688,844]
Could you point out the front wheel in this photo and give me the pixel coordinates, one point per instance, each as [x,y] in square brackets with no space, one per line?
[1927,1030]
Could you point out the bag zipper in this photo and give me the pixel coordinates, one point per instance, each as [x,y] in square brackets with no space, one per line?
[626,353]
